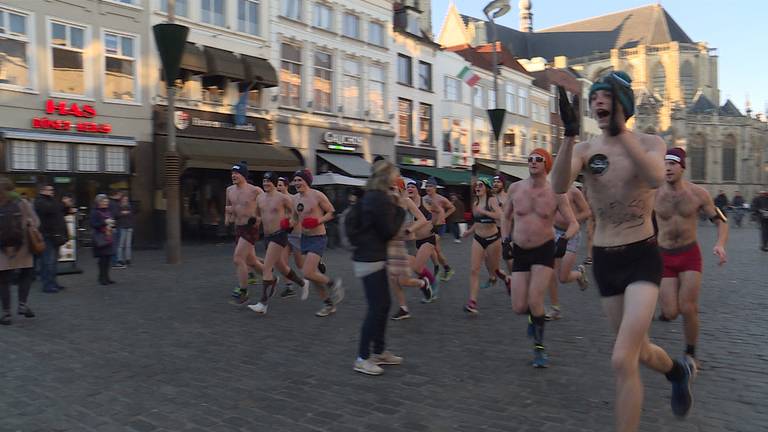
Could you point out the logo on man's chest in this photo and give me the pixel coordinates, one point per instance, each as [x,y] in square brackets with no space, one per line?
[300,207]
[598,164]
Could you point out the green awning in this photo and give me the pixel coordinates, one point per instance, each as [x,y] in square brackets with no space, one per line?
[211,154]
[224,64]
[259,72]
[450,177]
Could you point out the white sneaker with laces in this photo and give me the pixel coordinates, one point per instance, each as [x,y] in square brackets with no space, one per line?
[260,308]
[386,358]
[304,290]
[367,367]
[337,295]
[325,311]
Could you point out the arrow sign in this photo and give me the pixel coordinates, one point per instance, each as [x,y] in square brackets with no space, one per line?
[170,39]
[497,120]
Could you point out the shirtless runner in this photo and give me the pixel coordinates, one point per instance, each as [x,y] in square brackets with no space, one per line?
[240,209]
[294,241]
[424,236]
[678,204]
[500,196]
[313,211]
[439,227]
[272,211]
[566,250]
[531,209]
[621,170]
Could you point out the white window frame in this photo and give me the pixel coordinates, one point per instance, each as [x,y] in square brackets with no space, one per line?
[88,82]
[79,148]
[510,98]
[134,4]
[302,75]
[491,98]
[457,82]
[246,3]
[382,35]
[331,72]
[349,77]
[36,153]
[106,167]
[299,9]
[212,12]
[48,146]
[481,134]
[316,6]
[30,40]
[522,102]
[477,93]
[176,11]
[409,81]
[383,83]
[136,66]
[431,84]
[411,130]
[358,27]
[431,138]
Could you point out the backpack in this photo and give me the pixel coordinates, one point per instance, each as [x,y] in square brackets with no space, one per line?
[353,223]
[11,226]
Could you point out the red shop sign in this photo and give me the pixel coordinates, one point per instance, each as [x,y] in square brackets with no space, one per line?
[70,110]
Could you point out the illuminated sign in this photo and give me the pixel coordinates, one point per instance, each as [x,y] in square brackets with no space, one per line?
[64,109]
[409,160]
[340,142]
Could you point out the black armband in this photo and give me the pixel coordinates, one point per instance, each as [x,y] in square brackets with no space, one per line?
[718,216]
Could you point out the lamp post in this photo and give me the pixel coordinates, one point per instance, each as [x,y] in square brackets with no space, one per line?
[492,10]
[170,39]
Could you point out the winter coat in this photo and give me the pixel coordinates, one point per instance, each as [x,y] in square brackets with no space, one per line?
[21,258]
[51,217]
[99,227]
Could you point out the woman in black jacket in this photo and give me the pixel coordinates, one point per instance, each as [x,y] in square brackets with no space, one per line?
[379,220]
[103,225]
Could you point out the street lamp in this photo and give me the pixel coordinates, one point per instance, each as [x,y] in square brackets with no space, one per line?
[496,9]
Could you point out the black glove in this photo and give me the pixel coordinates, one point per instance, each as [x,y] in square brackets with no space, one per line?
[560,247]
[569,113]
[613,126]
[506,249]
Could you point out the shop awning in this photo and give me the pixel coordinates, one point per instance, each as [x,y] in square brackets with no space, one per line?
[259,72]
[22,134]
[223,64]
[353,165]
[328,179]
[450,177]
[516,171]
[193,59]
[204,153]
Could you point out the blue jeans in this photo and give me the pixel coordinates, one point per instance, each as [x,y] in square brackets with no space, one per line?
[125,238]
[115,244]
[376,287]
[48,262]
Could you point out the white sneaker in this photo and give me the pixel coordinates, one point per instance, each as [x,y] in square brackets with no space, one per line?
[325,311]
[337,295]
[367,367]
[386,358]
[583,280]
[304,290]
[260,308]
[457,241]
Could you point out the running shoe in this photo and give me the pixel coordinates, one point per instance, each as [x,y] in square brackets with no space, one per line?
[273,288]
[401,314]
[587,261]
[386,358]
[337,293]
[682,396]
[471,307]
[321,267]
[288,292]
[540,359]
[491,282]
[239,296]
[583,280]
[25,311]
[457,241]
[553,314]
[426,290]
[447,275]
[252,280]
[260,308]
[367,367]
[325,311]
[305,290]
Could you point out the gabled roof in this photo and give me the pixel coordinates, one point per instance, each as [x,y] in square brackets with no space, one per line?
[729,110]
[482,57]
[702,105]
[562,77]
[647,25]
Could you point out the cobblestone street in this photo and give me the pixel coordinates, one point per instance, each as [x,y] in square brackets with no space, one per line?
[162,350]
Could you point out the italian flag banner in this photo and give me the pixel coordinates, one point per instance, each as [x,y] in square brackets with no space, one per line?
[468,76]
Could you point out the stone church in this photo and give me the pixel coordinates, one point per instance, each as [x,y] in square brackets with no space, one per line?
[675,81]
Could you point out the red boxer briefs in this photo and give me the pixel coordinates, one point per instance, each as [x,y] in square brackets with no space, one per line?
[682,259]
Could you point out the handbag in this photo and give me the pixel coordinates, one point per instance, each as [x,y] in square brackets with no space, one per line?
[101,240]
[36,241]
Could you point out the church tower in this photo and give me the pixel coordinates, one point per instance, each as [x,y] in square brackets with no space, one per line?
[526,16]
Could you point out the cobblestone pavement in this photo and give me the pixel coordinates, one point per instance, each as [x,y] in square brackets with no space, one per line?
[163,351]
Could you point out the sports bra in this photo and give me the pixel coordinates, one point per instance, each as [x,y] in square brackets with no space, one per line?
[484,218]
[427,214]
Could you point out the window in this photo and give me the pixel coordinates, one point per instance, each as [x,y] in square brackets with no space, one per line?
[67,50]
[425,124]
[425,76]
[24,155]
[452,89]
[182,7]
[351,25]
[323,83]
[352,88]
[509,142]
[511,98]
[88,158]
[477,96]
[688,80]
[14,42]
[412,24]
[292,9]
[376,92]
[659,81]
[480,127]
[522,95]
[290,75]
[56,157]
[322,16]
[553,98]
[729,158]
[115,159]
[491,99]
[119,67]
[455,136]
[376,33]
[697,155]
[213,12]
[248,16]
[404,71]
[523,143]
[405,121]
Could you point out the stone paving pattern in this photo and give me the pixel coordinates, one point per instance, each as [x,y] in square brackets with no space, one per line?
[163,351]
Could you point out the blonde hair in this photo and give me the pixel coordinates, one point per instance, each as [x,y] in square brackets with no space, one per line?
[381,177]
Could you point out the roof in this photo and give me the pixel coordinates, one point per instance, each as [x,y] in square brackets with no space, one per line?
[729,110]
[702,105]
[482,57]
[562,77]
[646,25]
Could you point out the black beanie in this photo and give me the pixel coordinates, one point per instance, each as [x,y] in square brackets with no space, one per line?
[241,168]
[271,177]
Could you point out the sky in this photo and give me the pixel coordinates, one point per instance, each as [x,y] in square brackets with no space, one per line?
[731,26]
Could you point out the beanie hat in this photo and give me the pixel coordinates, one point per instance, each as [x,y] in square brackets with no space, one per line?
[620,84]
[432,182]
[486,182]
[271,177]
[547,158]
[241,168]
[305,175]
[282,179]
[676,154]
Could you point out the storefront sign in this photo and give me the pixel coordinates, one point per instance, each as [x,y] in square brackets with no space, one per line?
[340,142]
[409,160]
[183,120]
[64,109]
[213,125]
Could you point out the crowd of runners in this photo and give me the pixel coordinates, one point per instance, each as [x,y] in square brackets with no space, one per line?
[639,218]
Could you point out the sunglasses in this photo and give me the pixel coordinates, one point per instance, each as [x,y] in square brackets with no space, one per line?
[538,159]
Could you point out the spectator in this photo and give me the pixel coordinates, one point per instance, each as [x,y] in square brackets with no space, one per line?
[760,210]
[721,201]
[125,228]
[54,231]
[114,208]
[16,215]
[103,226]
[455,218]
